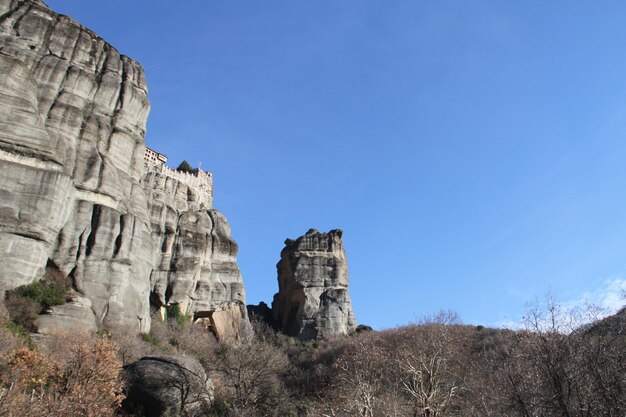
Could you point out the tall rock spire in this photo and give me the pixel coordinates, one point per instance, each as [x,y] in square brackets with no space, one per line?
[313,301]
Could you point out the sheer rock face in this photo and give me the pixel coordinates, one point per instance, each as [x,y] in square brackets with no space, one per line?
[73,113]
[73,186]
[195,260]
[312,300]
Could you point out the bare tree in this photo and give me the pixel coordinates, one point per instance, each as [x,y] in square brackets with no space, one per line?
[362,378]
[431,369]
[250,370]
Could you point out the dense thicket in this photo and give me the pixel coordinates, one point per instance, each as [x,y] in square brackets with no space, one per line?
[435,368]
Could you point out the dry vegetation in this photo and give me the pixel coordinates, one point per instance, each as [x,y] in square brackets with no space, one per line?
[435,368]
[72,377]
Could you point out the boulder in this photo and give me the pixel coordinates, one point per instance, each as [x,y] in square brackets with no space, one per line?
[167,385]
[75,316]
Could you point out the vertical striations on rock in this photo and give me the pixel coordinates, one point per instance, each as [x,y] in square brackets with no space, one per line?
[312,300]
[195,261]
[73,116]
[75,193]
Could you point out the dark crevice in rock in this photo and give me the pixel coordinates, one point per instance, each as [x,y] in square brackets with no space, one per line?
[154,298]
[30,236]
[101,171]
[15,6]
[118,239]
[60,239]
[27,152]
[80,244]
[50,53]
[47,37]
[168,293]
[72,278]
[20,18]
[95,223]
[54,272]
[61,84]
[81,134]
[104,65]
[120,98]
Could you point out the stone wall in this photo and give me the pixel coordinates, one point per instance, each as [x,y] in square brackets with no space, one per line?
[199,183]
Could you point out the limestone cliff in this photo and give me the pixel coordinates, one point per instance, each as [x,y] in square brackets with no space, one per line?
[313,300]
[195,263]
[74,195]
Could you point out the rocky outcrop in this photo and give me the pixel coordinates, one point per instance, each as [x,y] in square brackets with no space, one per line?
[261,312]
[72,121]
[195,264]
[74,190]
[74,316]
[167,385]
[312,300]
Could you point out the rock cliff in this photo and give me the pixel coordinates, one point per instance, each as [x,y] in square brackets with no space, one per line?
[313,300]
[75,194]
[195,264]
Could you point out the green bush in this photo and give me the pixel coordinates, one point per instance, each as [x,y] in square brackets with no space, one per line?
[46,294]
[148,338]
[219,408]
[174,314]
[185,167]
[20,332]
[22,310]
[363,328]
[26,302]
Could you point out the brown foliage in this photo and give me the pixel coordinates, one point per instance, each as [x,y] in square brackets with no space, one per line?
[81,379]
[248,374]
[553,369]
[437,368]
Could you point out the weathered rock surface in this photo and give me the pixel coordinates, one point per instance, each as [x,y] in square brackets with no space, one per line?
[74,190]
[261,312]
[195,264]
[72,121]
[76,316]
[167,385]
[313,300]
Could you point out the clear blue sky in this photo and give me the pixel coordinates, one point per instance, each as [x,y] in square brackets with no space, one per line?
[473,152]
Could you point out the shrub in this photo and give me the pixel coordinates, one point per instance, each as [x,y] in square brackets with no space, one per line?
[363,328]
[22,310]
[185,167]
[46,294]
[77,375]
[19,332]
[25,302]
[174,314]
[148,338]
